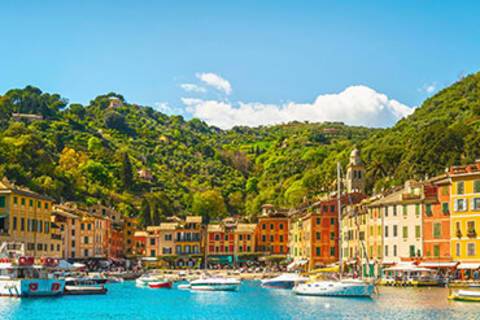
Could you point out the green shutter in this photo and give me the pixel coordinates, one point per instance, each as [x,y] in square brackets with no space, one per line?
[2,202]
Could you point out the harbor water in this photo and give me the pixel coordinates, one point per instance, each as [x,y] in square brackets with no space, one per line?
[125,301]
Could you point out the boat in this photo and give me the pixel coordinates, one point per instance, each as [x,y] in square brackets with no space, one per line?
[330,288]
[215,284]
[145,279]
[410,275]
[465,295]
[85,289]
[284,281]
[163,284]
[340,287]
[21,276]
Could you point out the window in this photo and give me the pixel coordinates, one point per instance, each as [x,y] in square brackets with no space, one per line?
[412,251]
[14,223]
[332,251]
[152,253]
[319,221]
[417,232]
[264,238]
[168,237]
[405,210]
[395,210]
[428,209]
[318,236]
[437,230]
[281,226]
[476,204]
[2,202]
[386,231]
[332,208]
[332,221]
[386,211]
[445,209]
[39,206]
[318,251]
[15,200]
[46,205]
[281,238]
[152,241]
[30,202]
[476,186]
[405,232]
[460,187]
[395,231]
[470,249]
[271,226]
[23,201]
[457,249]
[240,237]
[386,251]
[332,235]
[436,250]
[460,205]
[271,239]
[471,232]
[82,226]
[85,240]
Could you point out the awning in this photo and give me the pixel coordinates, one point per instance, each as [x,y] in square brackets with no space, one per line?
[297,263]
[441,264]
[468,266]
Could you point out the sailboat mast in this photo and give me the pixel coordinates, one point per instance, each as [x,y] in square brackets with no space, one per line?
[339,209]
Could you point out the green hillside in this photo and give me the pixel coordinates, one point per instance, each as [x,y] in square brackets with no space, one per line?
[94,153]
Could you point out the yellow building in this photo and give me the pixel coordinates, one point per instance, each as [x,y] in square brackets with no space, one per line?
[130,226]
[465,212]
[64,217]
[25,217]
[160,239]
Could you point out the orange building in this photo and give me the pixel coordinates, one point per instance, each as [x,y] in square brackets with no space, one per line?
[140,240]
[272,231]
[436,219]
[116,241]
[130,226]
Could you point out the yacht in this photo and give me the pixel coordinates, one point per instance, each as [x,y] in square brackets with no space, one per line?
[215,284]
[21,277]
[284,281]
[341,288]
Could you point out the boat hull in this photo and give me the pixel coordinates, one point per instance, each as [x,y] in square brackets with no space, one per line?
[278,284]
[160,285]
[467,296]
[32,287]
[222,287]
[334,289]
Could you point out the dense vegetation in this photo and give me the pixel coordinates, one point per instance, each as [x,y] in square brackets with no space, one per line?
[94,153]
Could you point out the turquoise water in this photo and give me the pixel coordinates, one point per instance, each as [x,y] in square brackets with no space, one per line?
[125,301]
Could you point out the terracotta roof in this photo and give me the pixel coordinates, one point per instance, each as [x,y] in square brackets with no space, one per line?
[8,187]
[214,228]
[193,219]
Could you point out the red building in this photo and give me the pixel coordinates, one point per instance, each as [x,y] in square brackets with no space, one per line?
[116,242]
[436,219]
[272,231]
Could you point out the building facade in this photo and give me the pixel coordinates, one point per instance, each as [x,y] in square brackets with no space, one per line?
[272,231]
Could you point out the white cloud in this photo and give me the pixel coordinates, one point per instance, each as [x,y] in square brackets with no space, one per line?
[190,87]
[429,88]
[166,108]
[356,105]
[216,81]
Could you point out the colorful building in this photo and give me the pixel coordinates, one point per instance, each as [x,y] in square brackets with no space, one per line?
[436,220]
[130,226]
[25,217]
[272,231]
[465,213]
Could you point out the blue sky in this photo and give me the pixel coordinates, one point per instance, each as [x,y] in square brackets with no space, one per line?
[366,62]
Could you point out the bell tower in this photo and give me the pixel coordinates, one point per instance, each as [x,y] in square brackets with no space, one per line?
[355,173]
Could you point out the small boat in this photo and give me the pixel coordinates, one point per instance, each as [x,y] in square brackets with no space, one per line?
[215,284]
[183,286]
[145,279]
[465,295]
[342,288]
[284,281]
[163,284]
[85,289]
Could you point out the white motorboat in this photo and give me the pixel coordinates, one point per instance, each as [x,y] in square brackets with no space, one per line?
[284,281]
[145,279]
[341,288]
[465,295]
[215,284]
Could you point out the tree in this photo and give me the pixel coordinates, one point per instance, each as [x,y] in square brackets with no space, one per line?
[209,204]
[126,172]
[146,213]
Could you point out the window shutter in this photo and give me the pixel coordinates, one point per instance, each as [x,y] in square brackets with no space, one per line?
[472,203]
[455,205]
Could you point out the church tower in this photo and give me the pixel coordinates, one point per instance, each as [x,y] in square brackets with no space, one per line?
[355,173]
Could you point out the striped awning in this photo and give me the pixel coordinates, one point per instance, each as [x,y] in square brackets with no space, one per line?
[468,266]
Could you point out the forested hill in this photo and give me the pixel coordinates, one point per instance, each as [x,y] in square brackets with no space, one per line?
[105,151]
